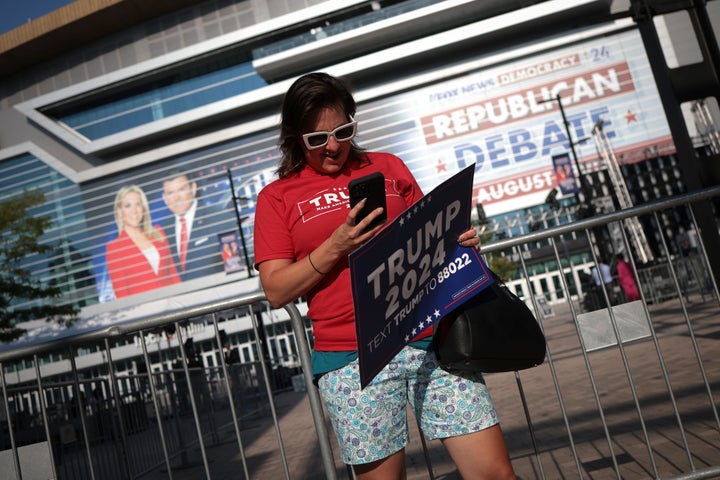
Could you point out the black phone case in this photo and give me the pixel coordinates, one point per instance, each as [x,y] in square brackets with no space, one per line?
[372,187]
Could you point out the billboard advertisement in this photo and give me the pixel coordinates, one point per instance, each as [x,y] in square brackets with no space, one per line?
[173,221]
[507,121]
[504,120]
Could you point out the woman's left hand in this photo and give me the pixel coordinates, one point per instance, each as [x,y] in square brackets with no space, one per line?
[469,238]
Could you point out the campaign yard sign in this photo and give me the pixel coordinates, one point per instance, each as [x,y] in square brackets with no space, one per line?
[414,272]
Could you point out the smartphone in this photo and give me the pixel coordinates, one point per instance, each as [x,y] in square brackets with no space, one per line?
[372,187]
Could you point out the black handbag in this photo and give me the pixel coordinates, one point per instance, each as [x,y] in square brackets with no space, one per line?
[492,332]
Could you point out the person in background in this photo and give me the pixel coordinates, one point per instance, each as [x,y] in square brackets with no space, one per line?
[191,229]
[227,252]
[596,295]
[626,278]
[231,354]
[139,259]
[302,241]
[605,273]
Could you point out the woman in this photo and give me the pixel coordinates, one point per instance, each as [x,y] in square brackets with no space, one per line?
[626,278]
[304,231]
[139,259]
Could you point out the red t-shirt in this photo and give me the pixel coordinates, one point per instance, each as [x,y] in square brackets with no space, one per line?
[294,215]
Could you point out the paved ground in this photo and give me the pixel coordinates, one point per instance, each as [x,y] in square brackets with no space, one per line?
[604,405]
[612,414]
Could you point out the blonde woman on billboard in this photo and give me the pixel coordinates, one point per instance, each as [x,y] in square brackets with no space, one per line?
[139,259]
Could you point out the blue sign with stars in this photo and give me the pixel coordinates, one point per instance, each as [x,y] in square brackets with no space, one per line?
[414,272]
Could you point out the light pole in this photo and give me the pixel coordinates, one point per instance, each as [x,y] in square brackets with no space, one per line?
[239,219]
[585,205]
[555,207]
[584,189]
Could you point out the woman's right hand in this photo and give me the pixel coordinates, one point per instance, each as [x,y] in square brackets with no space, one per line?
[284,280]
[351,234]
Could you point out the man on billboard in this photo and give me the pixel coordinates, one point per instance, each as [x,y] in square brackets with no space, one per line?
[191,231]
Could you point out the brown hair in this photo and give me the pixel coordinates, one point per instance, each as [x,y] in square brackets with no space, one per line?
[305,97]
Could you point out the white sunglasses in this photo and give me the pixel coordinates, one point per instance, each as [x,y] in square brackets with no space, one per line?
[343,133]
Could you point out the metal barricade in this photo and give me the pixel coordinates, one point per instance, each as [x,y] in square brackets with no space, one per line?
[634,384]
[159,423]
[628,390]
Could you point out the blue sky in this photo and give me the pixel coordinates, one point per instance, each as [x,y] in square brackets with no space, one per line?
[14,13]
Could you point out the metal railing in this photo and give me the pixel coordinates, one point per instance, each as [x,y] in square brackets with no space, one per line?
[615,326]
[628,389]
[186,391]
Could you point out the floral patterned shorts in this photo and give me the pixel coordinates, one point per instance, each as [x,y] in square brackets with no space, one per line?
[371,424]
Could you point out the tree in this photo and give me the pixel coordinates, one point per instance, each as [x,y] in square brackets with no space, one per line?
[20,235]
[503,266]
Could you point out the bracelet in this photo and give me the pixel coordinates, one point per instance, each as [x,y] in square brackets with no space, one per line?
[314,267]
